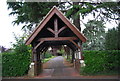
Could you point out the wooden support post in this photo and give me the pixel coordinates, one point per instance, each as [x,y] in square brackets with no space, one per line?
[32,71]
[56,27]
[38,63]
[73,56]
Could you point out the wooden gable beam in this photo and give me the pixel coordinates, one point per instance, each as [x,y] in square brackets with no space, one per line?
[61,29]
[51,30]
[38,44]
[45,49]
[74,43]
[58,39]
[58,31]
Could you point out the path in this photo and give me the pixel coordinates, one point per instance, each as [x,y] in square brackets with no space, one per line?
[56,68]
[59,68]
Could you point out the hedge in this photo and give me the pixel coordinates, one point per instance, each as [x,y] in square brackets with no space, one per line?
[101,61]
[14,64]
[47,55]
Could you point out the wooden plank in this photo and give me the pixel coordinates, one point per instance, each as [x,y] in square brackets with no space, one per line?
[61,29]
[51,30]
[58,39]
[56,27]
[38,44]
[74,43]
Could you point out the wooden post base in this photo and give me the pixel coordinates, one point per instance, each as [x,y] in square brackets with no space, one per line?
[31,72]
[35,69]
[77,64]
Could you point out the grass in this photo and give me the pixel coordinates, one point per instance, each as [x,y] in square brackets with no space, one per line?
[47,59]
[70,58]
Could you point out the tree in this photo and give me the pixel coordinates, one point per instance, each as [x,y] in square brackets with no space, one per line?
[118,37]
[32,13]
[112,41]
[95,34]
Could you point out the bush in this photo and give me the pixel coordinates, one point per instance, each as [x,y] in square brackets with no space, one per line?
[101,61]
[16,63]
[47,55]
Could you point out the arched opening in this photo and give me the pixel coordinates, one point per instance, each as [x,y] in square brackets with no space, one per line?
[55,31]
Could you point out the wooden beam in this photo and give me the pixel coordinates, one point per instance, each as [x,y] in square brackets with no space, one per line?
[58,39]
[38,44]
[74,43]
[61,29]
[45,49]
[56,27]
[51,30]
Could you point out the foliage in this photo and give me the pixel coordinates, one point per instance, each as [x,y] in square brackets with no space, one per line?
[47,59]
[47,55]
[101,61]
[16,63]
[61,51]
[32,13]
[112,41]
[95,34]
[106,10]
[0,64]
[29,13]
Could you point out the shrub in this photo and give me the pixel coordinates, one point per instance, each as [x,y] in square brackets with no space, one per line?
[47,55]
[16,63]
[101,61]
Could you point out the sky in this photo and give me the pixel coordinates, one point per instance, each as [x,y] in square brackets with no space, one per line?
[7,28]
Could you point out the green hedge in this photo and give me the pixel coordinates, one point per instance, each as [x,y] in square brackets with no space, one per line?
[14,64]
[101,61]
[47,55]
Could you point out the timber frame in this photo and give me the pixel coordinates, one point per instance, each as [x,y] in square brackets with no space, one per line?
[54,30]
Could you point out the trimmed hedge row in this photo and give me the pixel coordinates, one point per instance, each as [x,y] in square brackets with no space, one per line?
[14,64]
[101,61]
[47,55]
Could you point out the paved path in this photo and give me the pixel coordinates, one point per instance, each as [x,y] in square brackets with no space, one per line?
[59,68]
[56,68]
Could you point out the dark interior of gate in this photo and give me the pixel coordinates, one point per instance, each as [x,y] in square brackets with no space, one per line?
[55,30]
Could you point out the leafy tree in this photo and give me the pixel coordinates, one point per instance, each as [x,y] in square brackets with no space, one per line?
[16,62]
[32,13]
[95,34]
[112,39]
[29,13]
[118,36]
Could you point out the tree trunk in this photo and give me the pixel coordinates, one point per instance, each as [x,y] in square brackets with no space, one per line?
[76,20]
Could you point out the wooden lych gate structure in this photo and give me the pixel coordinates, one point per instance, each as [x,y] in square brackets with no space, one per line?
[55,30]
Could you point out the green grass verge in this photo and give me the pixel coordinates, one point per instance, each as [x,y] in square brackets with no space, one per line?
[47,59]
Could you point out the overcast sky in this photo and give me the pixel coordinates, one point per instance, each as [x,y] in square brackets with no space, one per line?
[7,28]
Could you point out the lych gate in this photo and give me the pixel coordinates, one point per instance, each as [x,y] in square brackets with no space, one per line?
[55,30]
